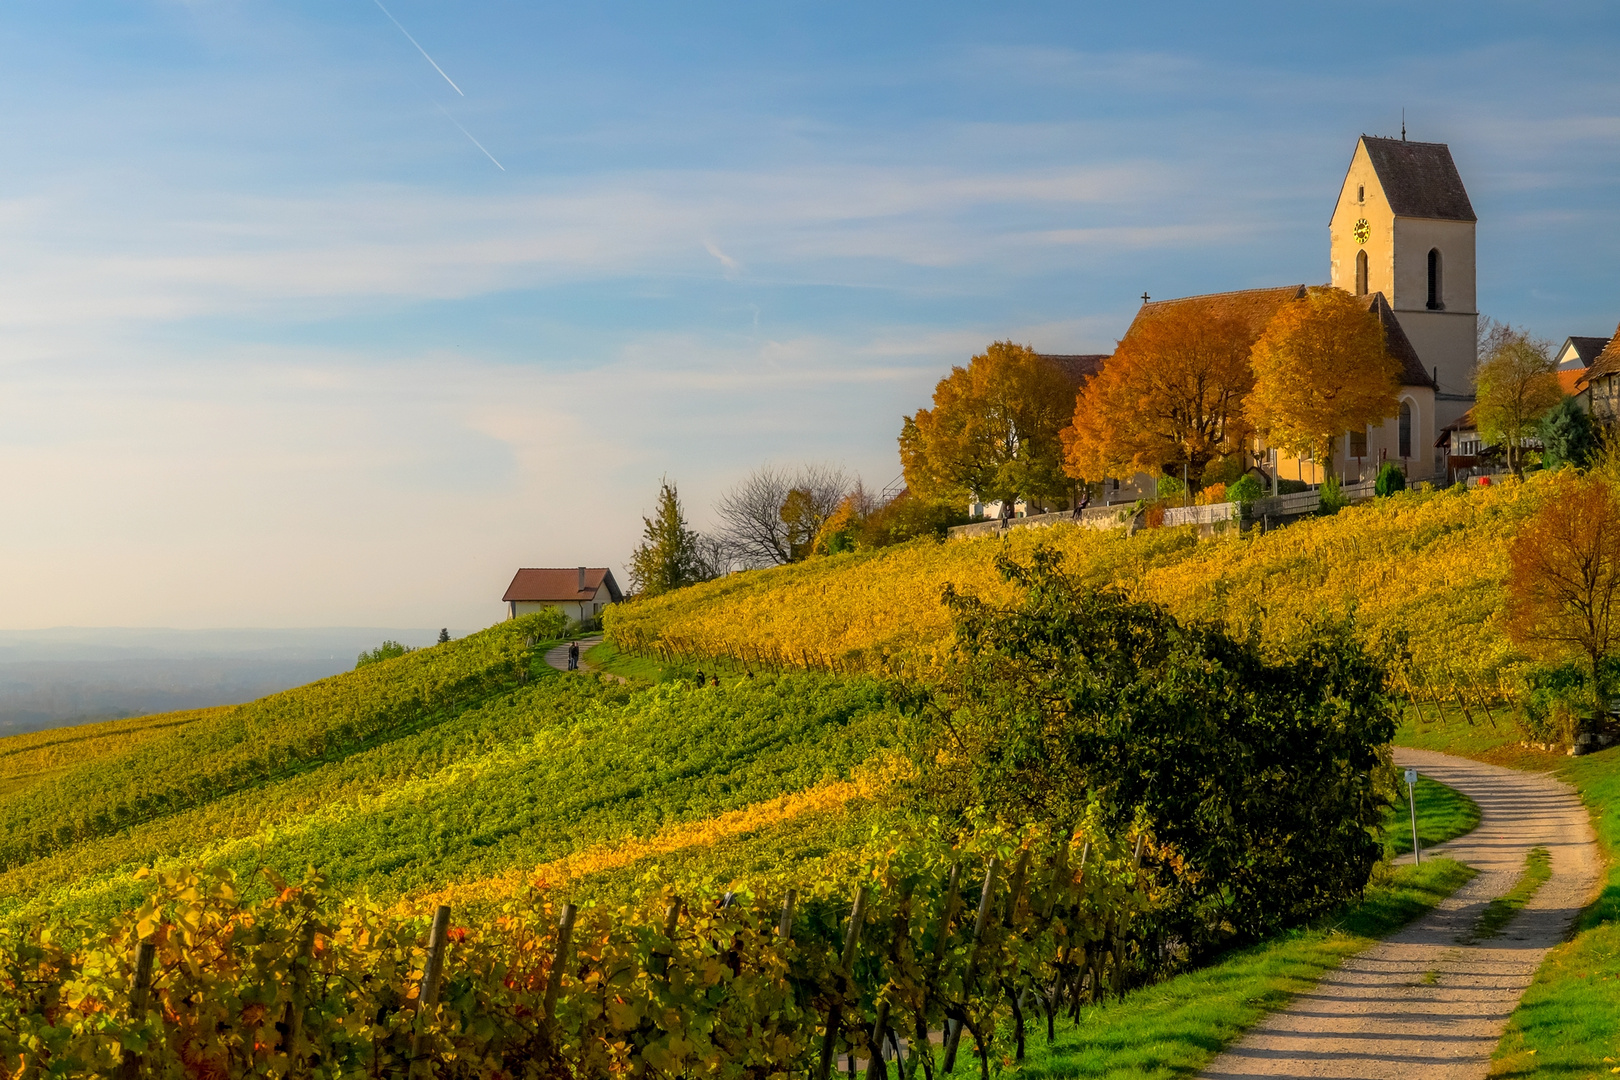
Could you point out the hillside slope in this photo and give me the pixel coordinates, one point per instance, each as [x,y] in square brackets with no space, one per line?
[1426,565]
[466,761]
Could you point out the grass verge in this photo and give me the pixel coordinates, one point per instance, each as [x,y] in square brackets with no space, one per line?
[1568,1022]
[1443,813]
[1175,1028]
[1499,912]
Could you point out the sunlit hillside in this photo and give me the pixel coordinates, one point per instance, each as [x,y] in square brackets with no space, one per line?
[1428,565]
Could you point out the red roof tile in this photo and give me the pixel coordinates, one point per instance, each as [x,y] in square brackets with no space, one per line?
[553,584]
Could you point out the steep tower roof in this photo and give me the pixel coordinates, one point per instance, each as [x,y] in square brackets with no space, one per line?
[1419,179]
[1413,373]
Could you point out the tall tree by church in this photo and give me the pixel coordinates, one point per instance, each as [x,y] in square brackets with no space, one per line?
[670,555]
[993,430]
[1170,397]
[1515,385]
[1321,368]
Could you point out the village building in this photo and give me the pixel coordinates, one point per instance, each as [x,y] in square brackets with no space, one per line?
[1401,236]
[1599,384]
[580,593]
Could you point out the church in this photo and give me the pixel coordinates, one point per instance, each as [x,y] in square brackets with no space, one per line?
[1401,238]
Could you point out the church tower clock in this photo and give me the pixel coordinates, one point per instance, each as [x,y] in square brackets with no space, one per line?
[1404,227]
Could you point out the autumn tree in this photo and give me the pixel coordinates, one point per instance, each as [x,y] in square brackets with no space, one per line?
[772,510]
[1562,592]
[993,430]
[1321,368]
[1171,397]
[670,555]
[1515,385]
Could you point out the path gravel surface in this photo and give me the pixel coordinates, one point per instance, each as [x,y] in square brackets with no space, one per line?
[558,657]
[1421,1003]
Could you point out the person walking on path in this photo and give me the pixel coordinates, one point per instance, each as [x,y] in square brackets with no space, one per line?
[573,656]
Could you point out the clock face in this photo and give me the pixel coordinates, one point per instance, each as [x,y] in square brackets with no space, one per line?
[1363,231]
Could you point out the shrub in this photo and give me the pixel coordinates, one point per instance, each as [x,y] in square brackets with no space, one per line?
[386,651]
[1257,772]
[1170,486]
[1245,490]
[1390,479]
[1212,495]
[1568,436]
[1333,499]
[1292,487]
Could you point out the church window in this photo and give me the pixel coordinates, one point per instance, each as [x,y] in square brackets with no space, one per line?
[1406,429]
[1361,273]
[1358,443]
[1361,193]
[1435,303]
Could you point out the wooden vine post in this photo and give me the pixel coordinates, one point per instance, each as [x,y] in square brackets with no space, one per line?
[935,962]
[829,1041]
[565,935]
[672,917]
[428,993]
[875,1069]
[130,1068]
[953,1033]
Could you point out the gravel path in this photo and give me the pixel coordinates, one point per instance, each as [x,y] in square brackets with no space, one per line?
[558,657]
[1419,1004]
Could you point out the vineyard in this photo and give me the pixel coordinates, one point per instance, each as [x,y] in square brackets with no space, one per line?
[931,943]
[475,764]
[1426,565]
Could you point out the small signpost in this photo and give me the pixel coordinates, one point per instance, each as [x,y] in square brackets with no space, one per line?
[1411,802]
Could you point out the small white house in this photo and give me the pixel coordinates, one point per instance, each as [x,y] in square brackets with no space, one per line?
[578,592]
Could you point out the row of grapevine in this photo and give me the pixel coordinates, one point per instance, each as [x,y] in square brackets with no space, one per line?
[932,942]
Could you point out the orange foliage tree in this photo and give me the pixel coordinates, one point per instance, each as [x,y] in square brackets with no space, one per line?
[993,430]
[1170,396]
[1321,368]
[1566,575]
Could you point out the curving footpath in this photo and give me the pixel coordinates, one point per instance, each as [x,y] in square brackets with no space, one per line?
[1419,1003]
[558,657]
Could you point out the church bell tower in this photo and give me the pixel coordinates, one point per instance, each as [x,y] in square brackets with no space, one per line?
[1404,227]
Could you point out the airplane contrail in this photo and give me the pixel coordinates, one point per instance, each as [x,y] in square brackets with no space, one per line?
[469,135]
[429,59]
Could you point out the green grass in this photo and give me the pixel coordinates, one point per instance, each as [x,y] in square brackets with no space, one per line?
[1443,814]
[1567,1025]
[1499,912]
[1175,1028]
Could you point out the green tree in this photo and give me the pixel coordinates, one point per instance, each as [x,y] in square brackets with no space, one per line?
[386,651]
[444,635]
[671,555]
[1515,385]
[1255,772]
[993,430]
[1568,436]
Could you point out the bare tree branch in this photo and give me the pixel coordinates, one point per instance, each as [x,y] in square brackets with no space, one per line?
[751,514]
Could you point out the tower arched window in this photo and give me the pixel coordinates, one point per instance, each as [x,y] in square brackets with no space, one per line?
[1435,302]
[1406,429]
[1361,273]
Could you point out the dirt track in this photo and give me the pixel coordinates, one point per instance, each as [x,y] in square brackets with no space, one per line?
[1419,1004]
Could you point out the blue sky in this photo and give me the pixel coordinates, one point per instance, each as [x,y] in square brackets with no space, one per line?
[281,346]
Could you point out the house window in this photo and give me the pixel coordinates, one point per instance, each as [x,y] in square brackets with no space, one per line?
[1361,273]
[1434,280]
[1358,444]
[1406,429]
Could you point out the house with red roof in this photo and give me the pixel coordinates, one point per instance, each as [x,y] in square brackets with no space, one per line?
[579,592]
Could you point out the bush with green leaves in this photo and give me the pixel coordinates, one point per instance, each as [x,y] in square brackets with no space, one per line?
[1245,490]
[1332,499]
[386,651]
[1170,487]
[1258,766]
[1390,479]
[1568,436]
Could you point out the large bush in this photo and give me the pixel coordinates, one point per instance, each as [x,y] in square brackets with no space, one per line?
[1253,769]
